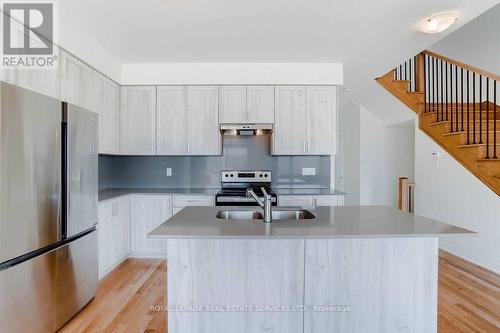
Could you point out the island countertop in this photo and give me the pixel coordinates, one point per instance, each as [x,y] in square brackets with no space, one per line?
[329,222]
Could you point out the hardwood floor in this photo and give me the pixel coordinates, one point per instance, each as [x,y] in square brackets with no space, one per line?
[469,299]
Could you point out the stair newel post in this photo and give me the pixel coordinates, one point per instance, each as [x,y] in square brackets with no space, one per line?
[420,77]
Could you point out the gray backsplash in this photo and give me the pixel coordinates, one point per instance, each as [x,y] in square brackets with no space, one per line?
[240,153]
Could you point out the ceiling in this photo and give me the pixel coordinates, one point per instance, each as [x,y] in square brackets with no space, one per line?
[368,37]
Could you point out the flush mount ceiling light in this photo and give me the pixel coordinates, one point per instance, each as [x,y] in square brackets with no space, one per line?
[438,22]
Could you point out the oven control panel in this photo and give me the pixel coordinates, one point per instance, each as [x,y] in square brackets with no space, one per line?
[246,176]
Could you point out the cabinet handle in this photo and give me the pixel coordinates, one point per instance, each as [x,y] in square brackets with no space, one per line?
[308,146]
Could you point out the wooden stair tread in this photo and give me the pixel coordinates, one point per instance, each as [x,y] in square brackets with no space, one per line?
[490,160]
[471,121]
[473,145]
[470,132]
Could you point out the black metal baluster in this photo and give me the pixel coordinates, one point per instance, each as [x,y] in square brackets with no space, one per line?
[400,72]
[468,110]
[411,81]
[426,88]
[487,118]
[406,72]
[473,107]
[436,87]
[433,63]
[445,97]
[462,97]
[442,89]
[456,99]
[480,108]
[495,120]
[451,99]
[415,72]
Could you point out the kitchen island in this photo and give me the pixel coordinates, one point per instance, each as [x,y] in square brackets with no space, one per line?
[341,269]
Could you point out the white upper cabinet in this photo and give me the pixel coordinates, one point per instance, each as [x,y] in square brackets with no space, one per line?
[260,104]
[137,120]
[172,120]
[46,81]
[320,120]
[108,108]
[289,120]
[77,82]
[246,104]
[305,120]
[204,137]
[232,104]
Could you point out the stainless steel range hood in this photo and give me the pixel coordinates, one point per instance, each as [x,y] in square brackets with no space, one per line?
[246,129]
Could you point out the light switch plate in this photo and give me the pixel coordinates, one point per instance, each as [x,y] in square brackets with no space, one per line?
[308,171]
[169,172]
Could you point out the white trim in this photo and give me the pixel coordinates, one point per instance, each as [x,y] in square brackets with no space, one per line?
[475,261]
[232,73]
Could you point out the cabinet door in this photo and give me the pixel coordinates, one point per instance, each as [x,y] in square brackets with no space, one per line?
[171,127]
[232,104]
[44,81]
[320,120]
[137,120]
[77,83]
[289,120]
[295,200]
[105,238]
[148,212]
[121,228]
[260,104]
[203,121]
[8,74]
[108,106]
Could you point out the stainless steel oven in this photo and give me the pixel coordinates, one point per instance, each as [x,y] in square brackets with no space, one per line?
[235,184]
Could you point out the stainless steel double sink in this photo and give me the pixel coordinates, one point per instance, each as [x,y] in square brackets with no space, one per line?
[277,214]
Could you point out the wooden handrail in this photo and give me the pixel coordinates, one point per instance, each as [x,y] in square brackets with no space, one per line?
[484,73]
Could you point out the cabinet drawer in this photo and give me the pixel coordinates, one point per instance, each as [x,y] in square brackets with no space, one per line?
[328,200]
[295,200]
[192,200]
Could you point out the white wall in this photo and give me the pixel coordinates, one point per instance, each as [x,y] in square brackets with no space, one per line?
[453,195]
[347,161]
[477,43]
[386,153]
[232,73]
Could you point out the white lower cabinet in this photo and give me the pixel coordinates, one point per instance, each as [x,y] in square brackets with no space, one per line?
[113,233]
[148,212]
[310,200]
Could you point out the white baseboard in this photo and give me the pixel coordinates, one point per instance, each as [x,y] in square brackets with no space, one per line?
[475,261]
[112,268]
[148,255]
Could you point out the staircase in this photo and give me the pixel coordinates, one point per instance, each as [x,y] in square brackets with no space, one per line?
[457,107]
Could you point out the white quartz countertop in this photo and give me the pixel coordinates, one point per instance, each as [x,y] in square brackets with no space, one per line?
[329,222]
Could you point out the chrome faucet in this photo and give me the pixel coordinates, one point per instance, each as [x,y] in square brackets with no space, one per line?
[265,203]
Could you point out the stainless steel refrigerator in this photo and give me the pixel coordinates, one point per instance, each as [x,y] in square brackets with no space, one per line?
[48,210]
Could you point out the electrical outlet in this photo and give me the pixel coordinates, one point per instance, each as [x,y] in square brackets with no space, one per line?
[308,171]
[169,172]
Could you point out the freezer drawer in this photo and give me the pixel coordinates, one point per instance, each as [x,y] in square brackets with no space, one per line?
[42,294]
